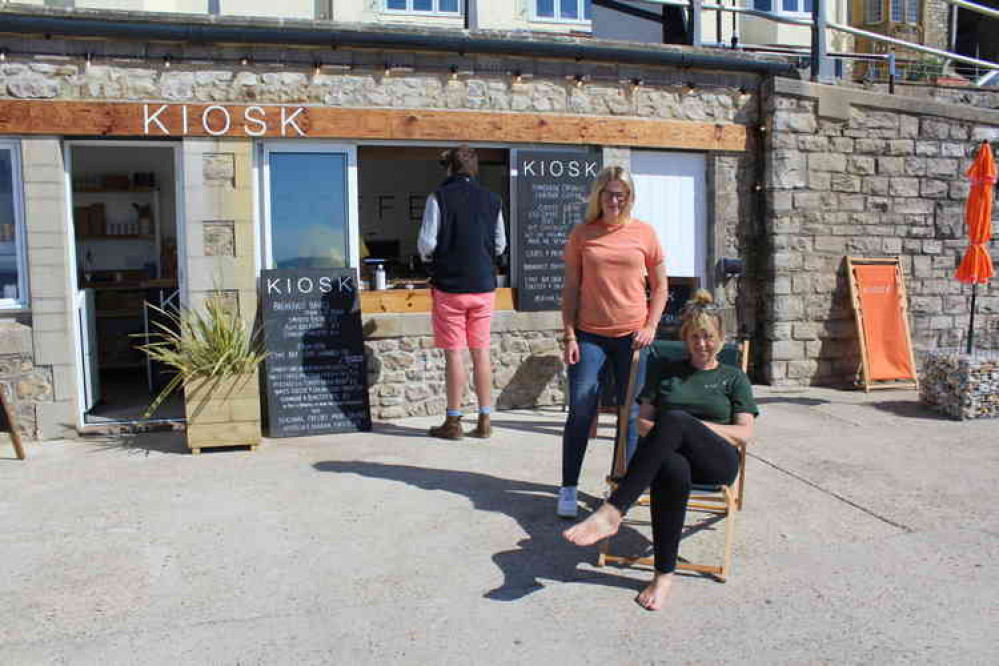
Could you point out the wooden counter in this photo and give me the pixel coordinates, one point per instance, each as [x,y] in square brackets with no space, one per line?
[416,300]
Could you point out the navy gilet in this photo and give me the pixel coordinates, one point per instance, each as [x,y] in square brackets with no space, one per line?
[465,257]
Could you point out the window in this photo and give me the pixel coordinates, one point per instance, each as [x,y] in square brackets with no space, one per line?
[447,7]
[13,273]
[905,11]
[309,206]
[874,12]
[783,6]
[567,11]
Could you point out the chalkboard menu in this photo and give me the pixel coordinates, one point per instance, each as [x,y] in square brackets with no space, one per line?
[551,198]
[316,375]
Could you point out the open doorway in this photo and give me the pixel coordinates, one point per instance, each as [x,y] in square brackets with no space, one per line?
[393,185]
[124,213]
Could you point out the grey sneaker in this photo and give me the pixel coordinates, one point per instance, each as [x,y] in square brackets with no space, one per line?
[567,507]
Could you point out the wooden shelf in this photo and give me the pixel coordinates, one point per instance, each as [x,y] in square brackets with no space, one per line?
[145,237]
[132,190]
[119,314]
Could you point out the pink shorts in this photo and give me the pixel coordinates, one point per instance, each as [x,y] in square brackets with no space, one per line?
[462,320]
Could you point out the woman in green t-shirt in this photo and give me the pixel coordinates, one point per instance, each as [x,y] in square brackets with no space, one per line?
[693,415]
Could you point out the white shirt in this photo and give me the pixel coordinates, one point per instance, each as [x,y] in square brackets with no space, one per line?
[427,242]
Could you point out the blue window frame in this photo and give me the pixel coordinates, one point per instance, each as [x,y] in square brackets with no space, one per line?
[783,6]
[565,11]
[442,7]
[13,267]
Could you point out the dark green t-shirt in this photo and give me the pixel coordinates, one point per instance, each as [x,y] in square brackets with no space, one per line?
[710,395]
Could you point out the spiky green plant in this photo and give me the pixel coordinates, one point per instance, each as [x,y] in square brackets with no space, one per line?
[203,347]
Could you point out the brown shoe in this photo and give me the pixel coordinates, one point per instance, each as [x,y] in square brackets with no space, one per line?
[450,429]
[484,428]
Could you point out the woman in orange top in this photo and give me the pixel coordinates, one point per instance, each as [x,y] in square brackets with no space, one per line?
[605,311]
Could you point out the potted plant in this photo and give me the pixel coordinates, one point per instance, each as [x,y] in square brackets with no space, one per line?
[214,357]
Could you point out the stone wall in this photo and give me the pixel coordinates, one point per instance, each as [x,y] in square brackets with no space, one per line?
[406,372]
[854,173]
[25,385]
[936,24]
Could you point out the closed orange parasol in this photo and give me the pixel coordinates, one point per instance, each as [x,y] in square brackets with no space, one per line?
[976,267]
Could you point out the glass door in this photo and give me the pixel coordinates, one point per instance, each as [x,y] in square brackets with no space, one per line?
[310,206]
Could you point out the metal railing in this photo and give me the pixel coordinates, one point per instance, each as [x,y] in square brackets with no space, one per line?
[818,51]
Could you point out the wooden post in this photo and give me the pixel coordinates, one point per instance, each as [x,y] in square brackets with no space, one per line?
[10,423]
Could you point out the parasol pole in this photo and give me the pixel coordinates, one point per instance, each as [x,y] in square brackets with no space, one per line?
[971,326]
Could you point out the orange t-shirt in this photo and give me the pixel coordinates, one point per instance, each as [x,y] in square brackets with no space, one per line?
[611,262]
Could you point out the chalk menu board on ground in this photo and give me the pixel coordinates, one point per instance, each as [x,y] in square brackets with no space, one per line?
[315,371]
[551,198]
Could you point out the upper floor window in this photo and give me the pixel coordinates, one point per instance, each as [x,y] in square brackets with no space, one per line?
[905,11]
[783,6]
[446,7]
[874,12]
[13,271]
[569,11]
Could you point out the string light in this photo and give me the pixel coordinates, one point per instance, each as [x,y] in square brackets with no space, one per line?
[167,61]
[637,83]
[244,61]
[579,79]
[518,76]
[3,55]
[317,67]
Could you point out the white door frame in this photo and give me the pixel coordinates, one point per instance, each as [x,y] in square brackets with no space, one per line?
[265,258]
[74,287]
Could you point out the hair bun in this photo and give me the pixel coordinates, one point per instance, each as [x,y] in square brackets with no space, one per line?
[701,298]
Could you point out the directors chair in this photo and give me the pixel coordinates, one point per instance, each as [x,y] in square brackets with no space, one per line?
[720,502]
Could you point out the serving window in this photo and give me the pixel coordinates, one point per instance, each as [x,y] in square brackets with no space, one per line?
[393,185]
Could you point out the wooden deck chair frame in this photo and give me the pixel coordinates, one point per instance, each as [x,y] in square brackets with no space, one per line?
[723,501]
[858,311]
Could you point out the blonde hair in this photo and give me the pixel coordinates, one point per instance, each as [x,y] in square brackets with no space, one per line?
[701,314]
[594,210]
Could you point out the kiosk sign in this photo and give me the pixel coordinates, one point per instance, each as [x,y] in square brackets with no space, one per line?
[316,374]
[551,198]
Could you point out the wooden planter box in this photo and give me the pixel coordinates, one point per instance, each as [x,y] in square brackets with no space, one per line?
[229,417]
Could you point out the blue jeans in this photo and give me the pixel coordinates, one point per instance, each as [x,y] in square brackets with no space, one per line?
[584,396]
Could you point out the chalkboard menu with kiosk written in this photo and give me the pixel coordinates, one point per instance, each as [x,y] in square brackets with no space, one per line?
[315,371]
[552,187]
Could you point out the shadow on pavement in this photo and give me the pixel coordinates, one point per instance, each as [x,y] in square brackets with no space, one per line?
[542,556]
[804,402]
[161,441]
[911,409]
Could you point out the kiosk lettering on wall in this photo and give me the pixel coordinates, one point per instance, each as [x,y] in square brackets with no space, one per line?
[552,187]
[316,374]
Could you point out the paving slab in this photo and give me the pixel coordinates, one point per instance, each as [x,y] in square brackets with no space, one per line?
[868,536]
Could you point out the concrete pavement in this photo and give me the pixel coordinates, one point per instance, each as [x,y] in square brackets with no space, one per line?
[869,536]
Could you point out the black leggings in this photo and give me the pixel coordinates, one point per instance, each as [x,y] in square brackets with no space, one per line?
[680,451]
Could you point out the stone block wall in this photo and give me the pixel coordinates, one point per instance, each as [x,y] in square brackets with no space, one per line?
[854,173]
[936,24]
[25,385]
[219,231]
[52,309]
[406,372]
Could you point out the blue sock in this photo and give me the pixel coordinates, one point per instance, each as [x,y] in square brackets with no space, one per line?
[454,412]
[485,410]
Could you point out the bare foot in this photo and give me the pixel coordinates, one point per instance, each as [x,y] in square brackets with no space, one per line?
[601,524]
[654,595]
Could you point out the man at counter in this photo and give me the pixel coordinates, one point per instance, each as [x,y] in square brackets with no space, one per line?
[461,236]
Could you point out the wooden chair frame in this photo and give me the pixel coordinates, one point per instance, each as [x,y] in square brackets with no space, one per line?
[723,500]
[858,312]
